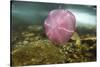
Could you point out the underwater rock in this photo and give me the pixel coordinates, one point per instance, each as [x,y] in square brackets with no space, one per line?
[60,25]
[39,52]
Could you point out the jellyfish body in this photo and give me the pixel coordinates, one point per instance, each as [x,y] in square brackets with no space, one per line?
[59,25]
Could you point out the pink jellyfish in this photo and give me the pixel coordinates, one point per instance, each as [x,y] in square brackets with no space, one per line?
[59,25]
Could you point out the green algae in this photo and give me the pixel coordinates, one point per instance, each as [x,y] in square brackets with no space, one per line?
[32,47]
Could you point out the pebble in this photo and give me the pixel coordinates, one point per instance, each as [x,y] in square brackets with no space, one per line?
[19,43]
[29,34]
[32,59]
[31,39]
[27,38]
[25,42]
[37,38]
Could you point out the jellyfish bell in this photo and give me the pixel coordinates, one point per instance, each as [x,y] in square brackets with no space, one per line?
[59,25]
